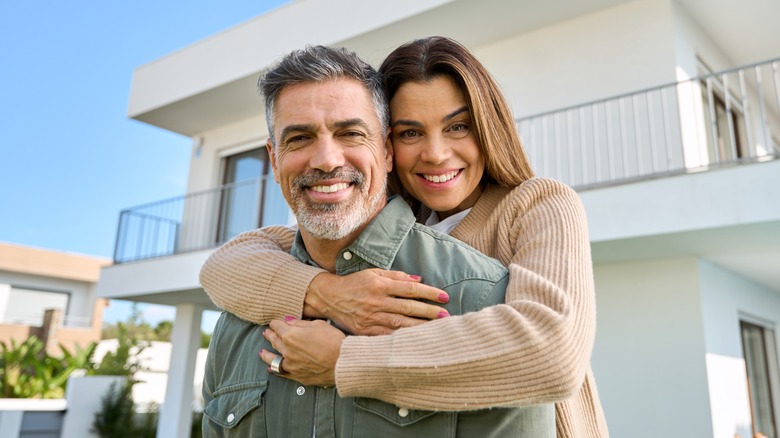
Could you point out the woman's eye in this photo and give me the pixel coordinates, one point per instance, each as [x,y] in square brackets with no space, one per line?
[460,130]
[409,133]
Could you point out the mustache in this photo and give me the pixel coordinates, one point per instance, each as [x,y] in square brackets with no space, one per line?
[313,176]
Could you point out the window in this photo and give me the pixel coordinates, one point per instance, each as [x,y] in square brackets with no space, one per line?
[251,198]
[26,306]
[759,349]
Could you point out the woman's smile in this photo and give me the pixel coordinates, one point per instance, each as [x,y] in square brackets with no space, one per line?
[437,156]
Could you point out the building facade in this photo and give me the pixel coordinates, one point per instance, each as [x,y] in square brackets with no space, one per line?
[663,114]
[50,295]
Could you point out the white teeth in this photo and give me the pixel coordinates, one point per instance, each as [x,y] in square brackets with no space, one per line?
[441,178]
[330,189]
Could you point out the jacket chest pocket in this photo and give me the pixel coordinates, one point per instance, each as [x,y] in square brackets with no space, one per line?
[239,404]
[377,418]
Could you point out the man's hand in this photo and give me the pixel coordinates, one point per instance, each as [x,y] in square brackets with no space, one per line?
[310,350]
[373,301]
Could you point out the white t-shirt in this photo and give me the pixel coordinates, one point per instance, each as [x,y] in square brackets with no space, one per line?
[447,224]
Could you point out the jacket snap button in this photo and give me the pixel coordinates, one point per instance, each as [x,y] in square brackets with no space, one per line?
[230,418]
[301,390]
[347,255]
[403,412]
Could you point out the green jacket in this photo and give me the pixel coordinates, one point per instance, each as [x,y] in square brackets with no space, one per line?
[243,400]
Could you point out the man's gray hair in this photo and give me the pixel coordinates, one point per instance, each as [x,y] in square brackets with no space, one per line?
[321,64]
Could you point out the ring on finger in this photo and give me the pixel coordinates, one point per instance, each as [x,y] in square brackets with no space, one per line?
[276,365]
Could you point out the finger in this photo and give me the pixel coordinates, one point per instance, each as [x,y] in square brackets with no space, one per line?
[276,341]
[415,309]
[395,321]
[397,275]
[416,290]
[267,356]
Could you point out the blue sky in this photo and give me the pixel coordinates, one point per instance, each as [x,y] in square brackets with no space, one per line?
[70,158]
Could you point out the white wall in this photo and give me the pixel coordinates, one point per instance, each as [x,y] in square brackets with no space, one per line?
[244,135]
[155,276]
[614,51]
[649,356]
[726,299]
[153,381]
[81,295]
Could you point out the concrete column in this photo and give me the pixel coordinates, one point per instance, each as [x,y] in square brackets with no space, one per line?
[176,412]
[52,322]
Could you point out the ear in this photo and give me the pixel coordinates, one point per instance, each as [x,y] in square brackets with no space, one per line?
[272,156]
[389,151]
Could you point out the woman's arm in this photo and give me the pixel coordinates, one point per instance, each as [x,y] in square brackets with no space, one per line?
[254,277]
[534,349]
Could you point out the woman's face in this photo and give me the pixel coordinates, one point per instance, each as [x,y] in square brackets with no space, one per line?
[437,157]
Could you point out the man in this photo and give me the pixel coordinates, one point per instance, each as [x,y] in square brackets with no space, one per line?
[327,119]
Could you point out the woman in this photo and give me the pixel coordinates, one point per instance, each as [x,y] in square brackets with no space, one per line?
[459,161]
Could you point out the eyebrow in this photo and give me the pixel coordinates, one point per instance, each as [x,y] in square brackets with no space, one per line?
[341,124]
[296,128]
[446,118]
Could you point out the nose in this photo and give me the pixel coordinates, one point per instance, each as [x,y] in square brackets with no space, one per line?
[435,150]
[328,155]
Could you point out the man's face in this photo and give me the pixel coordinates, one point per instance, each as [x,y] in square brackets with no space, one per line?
[331,158]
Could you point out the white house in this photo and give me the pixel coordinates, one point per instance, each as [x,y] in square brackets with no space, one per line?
[663,114]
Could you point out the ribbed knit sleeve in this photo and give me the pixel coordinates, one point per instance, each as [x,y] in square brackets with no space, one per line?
[534,349]
[254,277]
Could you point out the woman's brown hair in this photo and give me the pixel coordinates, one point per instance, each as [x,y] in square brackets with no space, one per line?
[506,163]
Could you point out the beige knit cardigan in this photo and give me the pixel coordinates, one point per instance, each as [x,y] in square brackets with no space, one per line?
[534,349]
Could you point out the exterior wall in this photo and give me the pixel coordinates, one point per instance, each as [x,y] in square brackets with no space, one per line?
[649,357]
[700,201]
[51,271]
[602,54]
[152,381]
[166,280]
[70,337]
[726,300]
[241,136]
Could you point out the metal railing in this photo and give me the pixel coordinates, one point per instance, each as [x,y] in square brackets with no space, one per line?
[77,321]
[189,223]
[711,121]
[660,131]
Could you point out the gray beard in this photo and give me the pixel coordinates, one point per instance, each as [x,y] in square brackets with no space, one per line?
[337,220]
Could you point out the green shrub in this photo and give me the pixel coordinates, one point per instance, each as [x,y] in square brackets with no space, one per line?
[28,371]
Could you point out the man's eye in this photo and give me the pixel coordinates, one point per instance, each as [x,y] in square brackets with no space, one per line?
[295,139]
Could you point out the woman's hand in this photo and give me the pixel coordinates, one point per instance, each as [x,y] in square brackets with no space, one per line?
[310,350]
[373,301]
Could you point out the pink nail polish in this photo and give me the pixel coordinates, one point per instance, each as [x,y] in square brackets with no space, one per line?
[260,353]
[289,318]
[444,298]
[443,314]
[415,277]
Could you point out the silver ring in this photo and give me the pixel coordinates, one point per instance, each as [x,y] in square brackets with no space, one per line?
[276,365]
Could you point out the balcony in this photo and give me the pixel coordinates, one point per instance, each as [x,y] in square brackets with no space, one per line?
[723,119]
[662,131]
[198,220]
